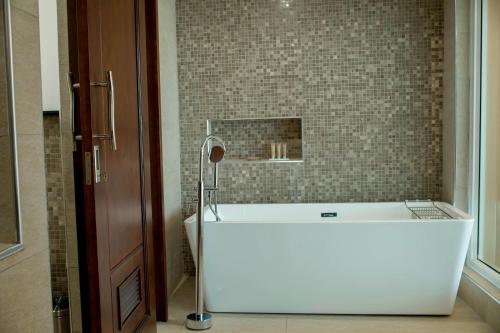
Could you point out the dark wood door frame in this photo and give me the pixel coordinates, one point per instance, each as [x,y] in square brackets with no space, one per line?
[150,69]
[152,171]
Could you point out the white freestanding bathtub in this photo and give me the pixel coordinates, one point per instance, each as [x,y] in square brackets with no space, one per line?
[371,258]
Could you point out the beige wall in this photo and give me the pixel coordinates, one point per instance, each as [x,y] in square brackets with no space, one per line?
[456,102]
[462,104]
[170,143]
[25,302]
[449,101]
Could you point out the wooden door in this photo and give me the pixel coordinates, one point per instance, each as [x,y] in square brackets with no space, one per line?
[112,165]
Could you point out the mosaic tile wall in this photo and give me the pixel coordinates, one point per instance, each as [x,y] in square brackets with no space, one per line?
[365,76]
[55,205]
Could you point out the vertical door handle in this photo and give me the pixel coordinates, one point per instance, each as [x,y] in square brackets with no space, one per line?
[71,90]
[111,105]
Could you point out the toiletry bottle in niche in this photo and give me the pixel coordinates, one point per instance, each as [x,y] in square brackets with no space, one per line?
[283,152]
[278,150]
[273,151]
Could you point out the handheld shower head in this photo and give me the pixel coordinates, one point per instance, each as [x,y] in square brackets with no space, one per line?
[217,154]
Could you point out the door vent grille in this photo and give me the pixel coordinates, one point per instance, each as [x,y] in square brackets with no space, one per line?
[129,295]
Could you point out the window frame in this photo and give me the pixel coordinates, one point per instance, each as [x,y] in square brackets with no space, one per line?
[18,245]
[477,58]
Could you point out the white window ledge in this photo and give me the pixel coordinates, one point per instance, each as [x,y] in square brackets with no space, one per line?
[487,287]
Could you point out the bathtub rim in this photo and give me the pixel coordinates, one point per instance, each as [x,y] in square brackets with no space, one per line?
[459,215]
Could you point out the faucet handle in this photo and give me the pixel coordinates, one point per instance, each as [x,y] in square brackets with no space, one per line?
[211,189]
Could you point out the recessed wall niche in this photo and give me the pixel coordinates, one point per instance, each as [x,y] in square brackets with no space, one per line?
[253,139]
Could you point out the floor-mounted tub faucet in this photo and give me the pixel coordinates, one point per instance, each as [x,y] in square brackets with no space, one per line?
[201,320]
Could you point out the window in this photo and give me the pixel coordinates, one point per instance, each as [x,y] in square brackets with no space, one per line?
[485,203]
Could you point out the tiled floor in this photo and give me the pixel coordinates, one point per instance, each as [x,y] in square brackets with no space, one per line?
[4,246]
[463,320]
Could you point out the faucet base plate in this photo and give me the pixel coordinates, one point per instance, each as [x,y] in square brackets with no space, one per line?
[199,322]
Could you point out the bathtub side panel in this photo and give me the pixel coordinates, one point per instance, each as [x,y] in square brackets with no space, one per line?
[352,268]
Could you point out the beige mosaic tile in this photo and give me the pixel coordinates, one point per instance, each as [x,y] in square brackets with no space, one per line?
[365,76]
[55,205]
